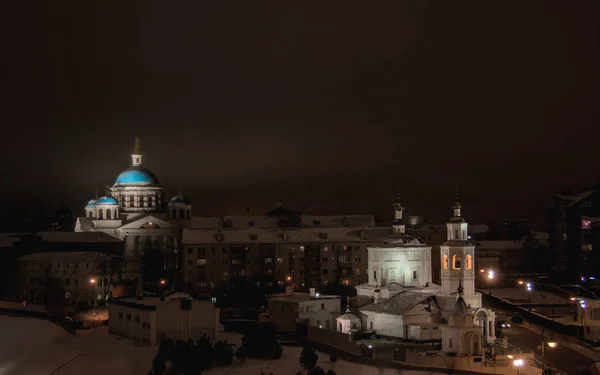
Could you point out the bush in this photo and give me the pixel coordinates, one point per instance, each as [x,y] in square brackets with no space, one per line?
[308,358]
[223,353]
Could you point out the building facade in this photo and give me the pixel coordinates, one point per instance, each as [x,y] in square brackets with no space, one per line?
[288,310]
[176,317]
[574,242]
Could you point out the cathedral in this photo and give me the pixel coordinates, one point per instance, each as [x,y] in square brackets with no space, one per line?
[400,299]
[136,210]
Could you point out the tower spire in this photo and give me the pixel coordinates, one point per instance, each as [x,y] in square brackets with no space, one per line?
[398,223]
[107,190]
[136,156]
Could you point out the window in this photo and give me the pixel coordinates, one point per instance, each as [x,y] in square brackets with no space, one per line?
[268,260]
[76,282]
[236,261]
[128,316]
[224,250]
[445,262]
[190,250]
[469,264]
[120,315]
[225,261]
[201,261]
[356,259]
[213,261]
[450,343]
[322,306]
[67,281]
[357,271]
[325,272]
[137,319]
[456,262]
[586,203]
[190,261]
[67,265]
[414,275]
[324,260]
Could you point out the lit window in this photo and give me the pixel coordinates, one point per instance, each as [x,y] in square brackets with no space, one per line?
[469,262]
[445,262]
[456,262]
[201,261]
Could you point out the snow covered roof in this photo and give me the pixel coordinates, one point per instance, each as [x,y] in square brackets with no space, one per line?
[348,316]
[399,304]
[573,199]
[77,237]
[71,256]
[332,221]
[233,222]
[500,245]
[300,297]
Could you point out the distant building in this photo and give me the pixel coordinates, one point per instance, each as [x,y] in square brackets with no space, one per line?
[289,309]
[574,241]
[150,320]
[85,278]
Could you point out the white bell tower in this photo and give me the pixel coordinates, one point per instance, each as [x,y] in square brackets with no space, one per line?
[398,224]
[458,257]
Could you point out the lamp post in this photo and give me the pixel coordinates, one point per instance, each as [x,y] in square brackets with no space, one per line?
[551,344]
[490,276]
[518,364]
[93,283]
[529,290]
[582,306]
[161,284]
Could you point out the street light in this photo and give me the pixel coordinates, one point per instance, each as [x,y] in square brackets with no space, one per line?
[529,290]
[93,283]
[518,363]
[583,305]
[551,344]
[490,277]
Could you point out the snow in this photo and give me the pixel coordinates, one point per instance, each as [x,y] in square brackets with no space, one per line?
[35,346]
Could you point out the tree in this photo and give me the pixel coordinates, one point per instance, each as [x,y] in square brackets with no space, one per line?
[308,358]
[240,354]
[317,371]
[112,270]
[333,359]
[223,353]
[158,365]
[55,297]
[261,342]
[331,372]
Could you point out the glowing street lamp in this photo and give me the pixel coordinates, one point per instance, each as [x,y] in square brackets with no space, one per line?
[490,275]
[93,282]
[518,364]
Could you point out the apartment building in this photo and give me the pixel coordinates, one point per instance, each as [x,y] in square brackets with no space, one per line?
[85,277]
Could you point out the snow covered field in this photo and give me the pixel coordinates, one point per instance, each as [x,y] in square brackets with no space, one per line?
[37,347]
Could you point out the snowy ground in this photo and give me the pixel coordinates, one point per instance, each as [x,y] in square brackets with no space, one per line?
[34,346]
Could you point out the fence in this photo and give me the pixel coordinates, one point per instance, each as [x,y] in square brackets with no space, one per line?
[339,340]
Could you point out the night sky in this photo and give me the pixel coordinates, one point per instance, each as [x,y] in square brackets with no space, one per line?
[331,105]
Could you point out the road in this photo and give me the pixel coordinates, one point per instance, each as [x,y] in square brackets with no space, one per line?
[563,356]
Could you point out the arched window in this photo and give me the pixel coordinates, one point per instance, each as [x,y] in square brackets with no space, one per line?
[469,264]
[181,213]
[108,214]
[89,213]
[173,214]
[464,234]
[100,214]
[450,343]
[456,262]
[116,213]
[189,214]
[456,234]
[445,262]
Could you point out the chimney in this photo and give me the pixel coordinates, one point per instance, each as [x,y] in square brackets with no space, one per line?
[376,296]
[313,293]
[289,290]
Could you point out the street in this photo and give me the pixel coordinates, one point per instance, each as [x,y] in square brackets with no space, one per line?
[563,356]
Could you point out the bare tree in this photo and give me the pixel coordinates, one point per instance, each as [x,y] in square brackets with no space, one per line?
[112,269]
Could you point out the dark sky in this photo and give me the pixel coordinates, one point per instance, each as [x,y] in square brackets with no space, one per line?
[331,103]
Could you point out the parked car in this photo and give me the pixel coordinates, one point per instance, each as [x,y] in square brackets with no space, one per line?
[73,323]
[501,324]
[517,318]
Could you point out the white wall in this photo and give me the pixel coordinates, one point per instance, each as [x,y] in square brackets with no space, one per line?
[388,325]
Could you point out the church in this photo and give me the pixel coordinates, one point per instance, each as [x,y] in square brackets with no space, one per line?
[400,299]
[136,210]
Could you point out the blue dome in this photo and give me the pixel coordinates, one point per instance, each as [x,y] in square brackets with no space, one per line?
[179,199]
[91,203]
[106,200]
[136,176]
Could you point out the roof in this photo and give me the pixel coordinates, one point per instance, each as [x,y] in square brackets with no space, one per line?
[399,304]
[460,308]
[572,199]
[333,221]
[348,316]
[500,245]
[179,199]
[233,222]
[300,297]
[137,176]
[106,200]
[88,237]
[73,256]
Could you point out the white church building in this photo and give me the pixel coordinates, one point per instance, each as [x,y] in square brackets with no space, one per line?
[136,210]
[402,300]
